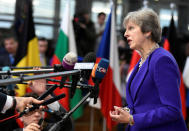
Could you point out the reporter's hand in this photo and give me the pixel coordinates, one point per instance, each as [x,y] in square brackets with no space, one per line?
[23,102]
[119,115]
[38,86]
[32,127]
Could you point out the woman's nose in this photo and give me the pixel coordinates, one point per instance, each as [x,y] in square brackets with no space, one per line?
[126,34]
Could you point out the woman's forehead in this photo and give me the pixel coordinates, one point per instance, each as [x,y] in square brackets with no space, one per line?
[130,23]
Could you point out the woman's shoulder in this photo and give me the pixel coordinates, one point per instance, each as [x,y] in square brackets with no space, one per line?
[161,53]
[164,58]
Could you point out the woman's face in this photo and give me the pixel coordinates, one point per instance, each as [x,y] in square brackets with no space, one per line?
[134,35]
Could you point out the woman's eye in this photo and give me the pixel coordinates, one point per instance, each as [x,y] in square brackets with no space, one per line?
[130,28]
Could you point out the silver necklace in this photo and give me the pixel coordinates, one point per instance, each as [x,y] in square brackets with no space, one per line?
[150,52]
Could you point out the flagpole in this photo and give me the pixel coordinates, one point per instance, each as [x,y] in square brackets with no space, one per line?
[104,124]
[112,2]
[92,119]
[104,120]
[145,3]
[172,6]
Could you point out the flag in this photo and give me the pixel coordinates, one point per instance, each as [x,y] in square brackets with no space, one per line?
[174,49]
[175,45]
[183,97]
[65,44]
[172,38]
[110,88]
[27,52]
[166,46]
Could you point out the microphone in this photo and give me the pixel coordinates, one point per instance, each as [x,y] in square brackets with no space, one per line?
[79,84]
[53,80]
[75,79]
[85,74]
[47,92]
[68,63]
[35,106]
[35,77]
[28,67]
[86,68]
[51,86]
[9,89]
[40,122]
[5,68]
[98,73]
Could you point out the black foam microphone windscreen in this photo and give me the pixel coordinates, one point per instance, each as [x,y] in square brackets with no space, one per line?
[90,57]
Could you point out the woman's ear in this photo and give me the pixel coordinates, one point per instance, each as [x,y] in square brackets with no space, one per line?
[147,35]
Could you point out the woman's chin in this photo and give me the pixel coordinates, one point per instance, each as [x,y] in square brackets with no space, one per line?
[131,47]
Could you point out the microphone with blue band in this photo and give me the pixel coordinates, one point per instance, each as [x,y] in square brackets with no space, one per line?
[101,69]
[98,74]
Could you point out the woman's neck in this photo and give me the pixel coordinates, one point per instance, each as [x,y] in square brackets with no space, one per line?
[147,49]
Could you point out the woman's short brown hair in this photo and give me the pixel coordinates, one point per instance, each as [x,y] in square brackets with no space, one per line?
[148,21]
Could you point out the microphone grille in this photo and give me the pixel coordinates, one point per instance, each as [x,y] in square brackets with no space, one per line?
[90,57]
[69,60]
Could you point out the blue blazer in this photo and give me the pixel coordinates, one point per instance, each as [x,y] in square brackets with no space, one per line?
[153,96]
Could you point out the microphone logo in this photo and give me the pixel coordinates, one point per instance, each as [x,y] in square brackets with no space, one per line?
[101,70]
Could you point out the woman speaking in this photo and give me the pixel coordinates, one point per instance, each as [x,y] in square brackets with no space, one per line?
[152,91]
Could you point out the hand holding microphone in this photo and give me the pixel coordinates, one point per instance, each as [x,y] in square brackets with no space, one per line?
[23,102]
[44,103]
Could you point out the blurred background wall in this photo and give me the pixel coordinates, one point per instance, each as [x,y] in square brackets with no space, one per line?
[47,13]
